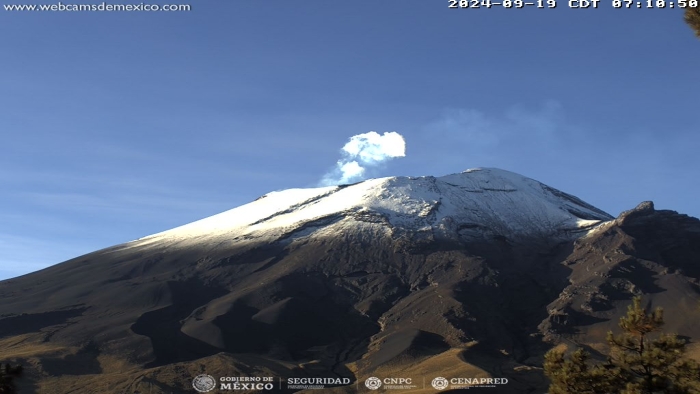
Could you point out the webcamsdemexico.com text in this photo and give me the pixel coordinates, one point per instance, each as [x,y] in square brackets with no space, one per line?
[106,7]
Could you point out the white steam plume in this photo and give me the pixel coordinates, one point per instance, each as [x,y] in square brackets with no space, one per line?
[364,151]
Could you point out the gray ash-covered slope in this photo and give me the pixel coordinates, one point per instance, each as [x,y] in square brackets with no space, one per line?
[468,271]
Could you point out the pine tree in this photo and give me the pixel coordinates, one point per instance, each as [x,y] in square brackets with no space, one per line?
[692,18]
[642,360]
[7,375]
[651,365]
[574,375]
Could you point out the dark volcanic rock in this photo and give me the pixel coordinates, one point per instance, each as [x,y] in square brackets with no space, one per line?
[642,252]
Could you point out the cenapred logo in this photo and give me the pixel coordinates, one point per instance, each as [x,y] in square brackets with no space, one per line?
[204,383]
[440,383]
[373,383]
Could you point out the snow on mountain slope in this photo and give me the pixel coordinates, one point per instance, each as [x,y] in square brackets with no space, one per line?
[482,200]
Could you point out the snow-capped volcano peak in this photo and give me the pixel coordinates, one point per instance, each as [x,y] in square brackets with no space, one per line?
[476,201]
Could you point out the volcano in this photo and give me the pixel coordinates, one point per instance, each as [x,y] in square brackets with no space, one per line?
[471,275]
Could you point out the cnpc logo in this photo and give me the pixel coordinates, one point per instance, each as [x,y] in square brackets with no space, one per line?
[375,383]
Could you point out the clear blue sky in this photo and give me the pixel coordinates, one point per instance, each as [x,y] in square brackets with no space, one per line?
[118,125]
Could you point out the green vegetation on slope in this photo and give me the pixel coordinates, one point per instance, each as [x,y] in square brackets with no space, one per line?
[642,360]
